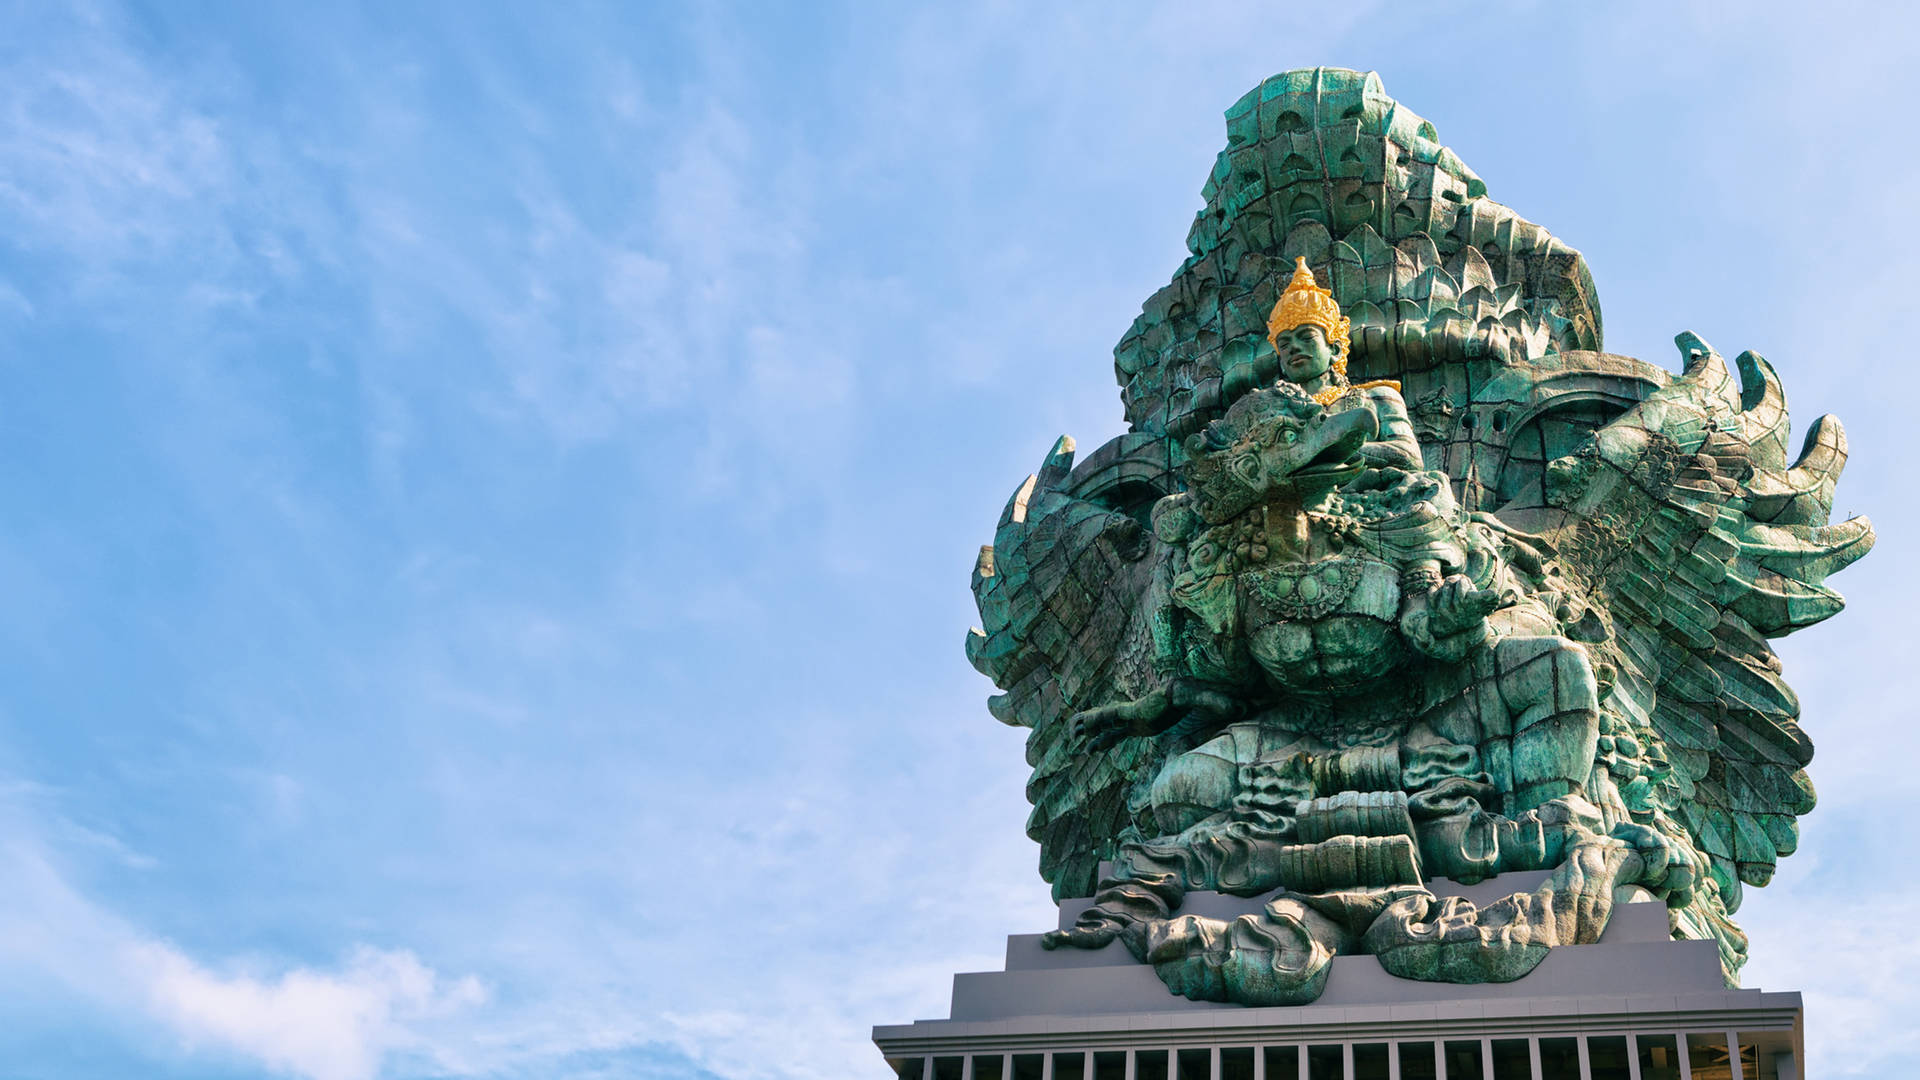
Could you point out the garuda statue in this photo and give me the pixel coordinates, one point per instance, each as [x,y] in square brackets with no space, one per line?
[1400,577]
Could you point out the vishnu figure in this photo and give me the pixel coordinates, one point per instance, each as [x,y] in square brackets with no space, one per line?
[1310,336]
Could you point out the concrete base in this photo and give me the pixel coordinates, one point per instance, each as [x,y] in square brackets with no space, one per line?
[1658,1009]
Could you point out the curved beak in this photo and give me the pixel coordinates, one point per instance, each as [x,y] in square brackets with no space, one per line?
[1340,437]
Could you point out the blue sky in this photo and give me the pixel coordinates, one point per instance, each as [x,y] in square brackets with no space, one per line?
[489,495]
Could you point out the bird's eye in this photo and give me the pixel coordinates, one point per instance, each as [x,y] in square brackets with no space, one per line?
[1289,436]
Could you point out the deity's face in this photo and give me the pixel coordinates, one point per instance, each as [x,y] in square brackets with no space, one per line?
[1304,353]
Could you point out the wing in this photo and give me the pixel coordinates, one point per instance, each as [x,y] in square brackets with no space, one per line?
[1065,611]
[1699,542]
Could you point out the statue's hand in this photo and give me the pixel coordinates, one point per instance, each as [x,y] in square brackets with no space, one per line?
[1449,621]
[1101,728]
[1156,712]
[1455,606]
[1376,477]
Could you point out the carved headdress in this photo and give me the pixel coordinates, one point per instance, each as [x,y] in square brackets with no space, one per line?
[1305,303]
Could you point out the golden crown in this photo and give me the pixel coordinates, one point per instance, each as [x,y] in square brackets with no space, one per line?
[1306,303]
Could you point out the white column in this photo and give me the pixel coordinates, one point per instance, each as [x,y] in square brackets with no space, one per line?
[926,1068]
[1006,1066]
[1046,1066]
[1486,1059]
[1686,1062]
[1440,1058]
[1346,1061]
[1393,1061]
[1133,1065]
[1733,1054]
[1586,1068]
[1633,1056]
[1303,1062]
[966,1067]
[1213,1064]
[1533,1057]
[1259,1063]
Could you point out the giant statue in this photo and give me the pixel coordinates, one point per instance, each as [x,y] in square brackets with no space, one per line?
[1397,575]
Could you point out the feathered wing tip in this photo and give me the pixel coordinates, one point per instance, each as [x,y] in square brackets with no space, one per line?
[1787,549]
[1735,432]
[1062,599]
[1704,541]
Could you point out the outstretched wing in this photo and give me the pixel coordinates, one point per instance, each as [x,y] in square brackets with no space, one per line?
[1063,597]
[1700,542]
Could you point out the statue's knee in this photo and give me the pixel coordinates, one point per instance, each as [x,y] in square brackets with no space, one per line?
[1193,787]
[1573,677]
[1544,678]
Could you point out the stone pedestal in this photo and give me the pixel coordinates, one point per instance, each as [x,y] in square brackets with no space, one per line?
[1635,1006]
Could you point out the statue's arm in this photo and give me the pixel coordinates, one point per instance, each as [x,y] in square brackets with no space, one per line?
[1396,445]
[1160,709]
[1164,618]
[1176,692]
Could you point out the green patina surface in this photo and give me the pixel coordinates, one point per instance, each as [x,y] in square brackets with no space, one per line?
[1510,615]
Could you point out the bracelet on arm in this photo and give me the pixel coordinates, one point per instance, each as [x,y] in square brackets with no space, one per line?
[1420,579]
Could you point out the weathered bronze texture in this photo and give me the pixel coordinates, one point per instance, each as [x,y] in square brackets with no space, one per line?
[1498,602]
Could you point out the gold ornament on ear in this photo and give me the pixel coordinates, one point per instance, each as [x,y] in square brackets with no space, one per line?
[1305,303]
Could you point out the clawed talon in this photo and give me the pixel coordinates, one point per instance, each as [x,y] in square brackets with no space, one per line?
[1088,936]
[1664,865]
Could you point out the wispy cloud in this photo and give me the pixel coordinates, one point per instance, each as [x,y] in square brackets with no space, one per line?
[323,1025]
[521,584]
[343,1023]
[101,160]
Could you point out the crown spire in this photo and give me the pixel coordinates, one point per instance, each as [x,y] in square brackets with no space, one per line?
[1305,303]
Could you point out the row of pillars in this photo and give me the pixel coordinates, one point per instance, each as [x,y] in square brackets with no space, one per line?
[1784,1065]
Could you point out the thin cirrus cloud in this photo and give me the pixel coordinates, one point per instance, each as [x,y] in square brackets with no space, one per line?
[324,1024]
[490,502]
